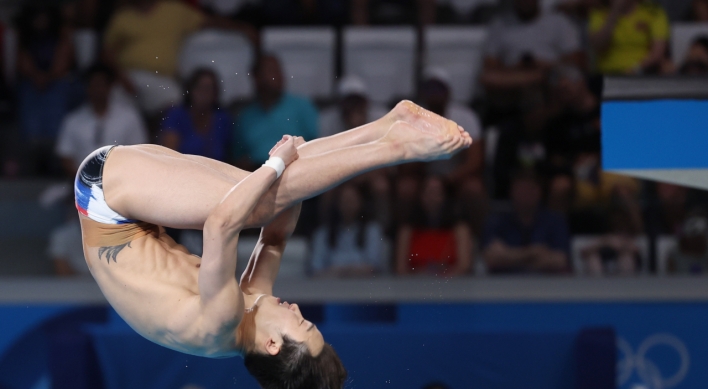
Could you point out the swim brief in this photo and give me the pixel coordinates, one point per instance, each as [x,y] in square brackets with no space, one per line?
[88,190]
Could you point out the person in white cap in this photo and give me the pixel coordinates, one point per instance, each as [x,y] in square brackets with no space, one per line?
[353,108]
[436,97]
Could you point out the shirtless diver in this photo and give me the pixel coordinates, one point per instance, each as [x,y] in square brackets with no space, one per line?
[126,194]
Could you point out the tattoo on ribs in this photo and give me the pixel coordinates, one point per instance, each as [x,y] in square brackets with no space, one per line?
[111,251]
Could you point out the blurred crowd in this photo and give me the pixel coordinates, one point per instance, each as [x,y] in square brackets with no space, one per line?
[529,196]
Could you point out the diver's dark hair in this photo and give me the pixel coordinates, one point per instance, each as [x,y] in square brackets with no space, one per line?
[295,368]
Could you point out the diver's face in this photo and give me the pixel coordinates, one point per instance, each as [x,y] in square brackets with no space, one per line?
[275,319]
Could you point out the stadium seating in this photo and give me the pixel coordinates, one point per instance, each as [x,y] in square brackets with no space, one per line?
[458,50]
[665,245]
[467,6]
[307,58]
[229,54]
[681,37]
[9,52]
[86,47]
[384,57]
[549,5]
[23,242]
[294,261]
[580,242]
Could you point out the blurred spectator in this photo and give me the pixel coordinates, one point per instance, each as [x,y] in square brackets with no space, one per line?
[521,145]
[465,11]
[594,186]
[226,7]
[522,47]
[92,14]
[299,12]
[552,137]
[353,108]
[143,41]
[570,118]
[279,12]
[699,11]
[616,253]
[528,239]
[594,191]
[348,245]
[612,255]
[668,212]
[474,204]
[463,171]
[393,12]
[629,37]
[696,61]
[101,121]
[199,126]
[10,140]
[274,114]
[435,96]
[435,241]
[561,194]
[45,59]
[691,255]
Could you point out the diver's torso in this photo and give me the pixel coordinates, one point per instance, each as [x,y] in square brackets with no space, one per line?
[152,282]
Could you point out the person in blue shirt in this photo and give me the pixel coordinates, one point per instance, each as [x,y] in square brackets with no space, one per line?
[199,126]
[273,114]
[529,239]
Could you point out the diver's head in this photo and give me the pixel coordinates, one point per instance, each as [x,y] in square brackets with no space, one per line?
[282,349]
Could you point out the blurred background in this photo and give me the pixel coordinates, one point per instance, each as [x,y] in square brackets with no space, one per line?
[523,262]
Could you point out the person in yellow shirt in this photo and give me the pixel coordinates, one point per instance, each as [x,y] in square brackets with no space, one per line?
[142,44]
[629,37]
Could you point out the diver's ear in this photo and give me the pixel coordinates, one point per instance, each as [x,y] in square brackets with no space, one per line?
[272,346]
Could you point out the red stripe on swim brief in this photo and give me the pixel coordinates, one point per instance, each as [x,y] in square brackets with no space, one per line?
[81,210]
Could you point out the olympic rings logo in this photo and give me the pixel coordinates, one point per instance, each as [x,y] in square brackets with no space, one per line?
[646,369]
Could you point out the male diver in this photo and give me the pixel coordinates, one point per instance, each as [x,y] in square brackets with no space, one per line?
[125,195]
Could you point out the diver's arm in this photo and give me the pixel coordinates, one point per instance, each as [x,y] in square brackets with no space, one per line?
[220,298]
[262,269]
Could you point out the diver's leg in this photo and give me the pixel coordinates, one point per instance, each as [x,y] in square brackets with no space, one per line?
[405,111]
[172,190]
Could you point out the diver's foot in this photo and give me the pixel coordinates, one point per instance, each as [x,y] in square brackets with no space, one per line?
[426,121]
[423,145]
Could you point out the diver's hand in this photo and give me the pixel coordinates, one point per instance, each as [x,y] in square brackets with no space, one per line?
[285,149]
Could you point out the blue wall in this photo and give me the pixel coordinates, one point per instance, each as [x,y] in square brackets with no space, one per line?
[482,345]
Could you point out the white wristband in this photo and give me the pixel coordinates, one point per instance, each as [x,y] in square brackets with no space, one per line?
[277,164]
